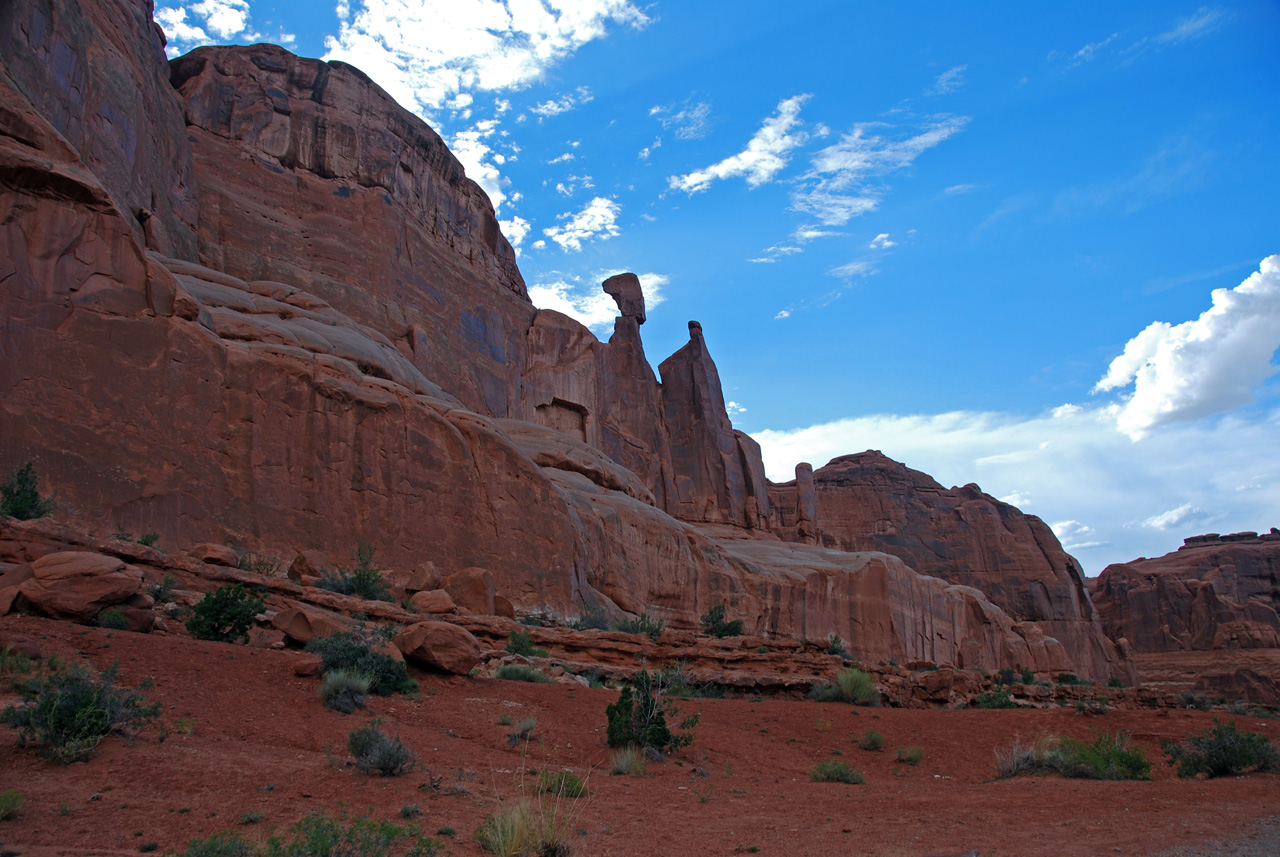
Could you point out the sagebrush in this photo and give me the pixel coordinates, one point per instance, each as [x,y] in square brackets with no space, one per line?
[225,615]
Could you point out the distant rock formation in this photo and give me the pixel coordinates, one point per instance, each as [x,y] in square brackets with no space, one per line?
[1217,597]
[868,502]
[317,336]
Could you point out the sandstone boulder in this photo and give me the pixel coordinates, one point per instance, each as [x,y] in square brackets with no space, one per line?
[432,601]
[215,555]
[472,589]
[300,624]
[423,578]
[440,646]
[78,585]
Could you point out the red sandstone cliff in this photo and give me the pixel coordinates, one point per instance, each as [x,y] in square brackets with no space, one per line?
[868,502]
[317,336]
[1204,617]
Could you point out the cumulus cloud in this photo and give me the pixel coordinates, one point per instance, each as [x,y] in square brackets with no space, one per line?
[1172,518]
[424,53]
[474,149]
[597,221]
[691,122]
[1074,535]
[842,182]
[582,298]
[949,81]
[1083,468]
[515,229]
[189,25]
[882,242]
[765,155]
[1202,367]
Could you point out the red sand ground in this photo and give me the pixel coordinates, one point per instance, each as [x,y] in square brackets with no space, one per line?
[262,742]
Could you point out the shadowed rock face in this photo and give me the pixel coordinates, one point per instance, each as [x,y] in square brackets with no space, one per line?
[353,358]
[1217,597]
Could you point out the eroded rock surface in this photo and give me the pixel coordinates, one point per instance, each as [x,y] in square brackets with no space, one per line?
[1216,595]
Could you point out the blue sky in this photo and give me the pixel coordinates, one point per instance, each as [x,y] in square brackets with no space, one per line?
[1020,245]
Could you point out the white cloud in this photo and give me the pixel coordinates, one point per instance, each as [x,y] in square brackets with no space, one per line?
[648,150]
[1172,518]
[187,25]
[782,313]
[949,81]
[882,242]
[1207,366]
[767,152]
[1074,535]
[1019,499]
[515,229]
[560,159]
[598,220]
[841,183]
[571,185]
[856,268]
[959,189]
[1088,471]
[424,53]
[691,122]
[472,149]
[582,298]
[805,234]
[1192,26]
[733,409]
[563,104]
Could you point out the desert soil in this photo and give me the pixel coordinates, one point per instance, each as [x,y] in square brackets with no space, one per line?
[252,737]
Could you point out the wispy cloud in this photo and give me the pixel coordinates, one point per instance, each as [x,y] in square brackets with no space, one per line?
[856,268]
[1186,29]
[882,242]
[843,181]
[1179,166]
[691,121]
[949,81]
[597,221]
[1198,368]
[765,155]
[563,104]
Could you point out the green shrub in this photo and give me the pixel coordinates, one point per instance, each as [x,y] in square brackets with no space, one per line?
[1027,675]
[317,835]
[714,624]
[520,672]
[226,844]
[1072,679]
[561,784]
[161,592]
[70,712]
[995,699]
[114,619]
[354,651]
[11,803]
[1111,756]
[225,614]
[521,643]
[1117,683]
[835,645]
[872,741]
[639,717]
[651,627]
[20,495]
[344,690]
[365,580]
[835,771]
[148,539]
[1222,750]
[910,755]
[852,685]
[597,620]
[377,752]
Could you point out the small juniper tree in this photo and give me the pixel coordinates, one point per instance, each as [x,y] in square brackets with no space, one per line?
[20,495]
